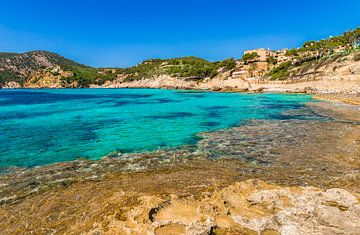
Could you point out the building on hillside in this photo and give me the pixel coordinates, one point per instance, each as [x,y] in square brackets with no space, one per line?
[263,54]
[240,74]
[280,56]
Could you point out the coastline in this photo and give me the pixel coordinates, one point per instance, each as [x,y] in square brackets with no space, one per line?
[175,190]
[180,118]
[342,98]
[337,90]
[350,97]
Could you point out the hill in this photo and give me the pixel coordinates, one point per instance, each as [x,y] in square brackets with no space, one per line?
[47,69]
[18,67]
[43,69]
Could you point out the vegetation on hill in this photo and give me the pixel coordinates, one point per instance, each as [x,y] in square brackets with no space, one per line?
[316,53]
[7,54]
[271,60]
[186,67]
[328,45]
[85,76]
[249,56]
[16,67]
[286,70]
[19,67]
[280,72]
[357,57]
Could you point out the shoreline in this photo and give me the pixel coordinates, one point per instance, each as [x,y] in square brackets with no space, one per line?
[330,96]
[342,98]
[177,189]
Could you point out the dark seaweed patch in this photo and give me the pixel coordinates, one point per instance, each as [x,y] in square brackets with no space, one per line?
[172,115]
[217,107]
[281,116]
[126,150]
[128,96]
[196,95]
[31,97]
[88,134]
[112,121]
[122,103]
[293,114]
[282,106]
[210,124]
[193,140]
[166,100]
[214,114]
[192,94]
[25,98]
[21,115]
[107,101]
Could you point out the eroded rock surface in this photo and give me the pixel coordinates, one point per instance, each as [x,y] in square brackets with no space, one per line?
[249,207]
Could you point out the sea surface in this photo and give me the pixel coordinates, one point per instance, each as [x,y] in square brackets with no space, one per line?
[39,127]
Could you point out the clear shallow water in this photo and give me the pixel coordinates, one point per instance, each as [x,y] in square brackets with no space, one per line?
[39,127]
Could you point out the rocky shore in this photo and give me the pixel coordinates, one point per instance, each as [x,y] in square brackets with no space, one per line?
[266,177]
[248,207]
[312,86]
[341,76]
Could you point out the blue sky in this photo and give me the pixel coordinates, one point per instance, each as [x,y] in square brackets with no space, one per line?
[125,32]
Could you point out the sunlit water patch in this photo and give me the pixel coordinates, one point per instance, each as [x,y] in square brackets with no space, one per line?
[39,127]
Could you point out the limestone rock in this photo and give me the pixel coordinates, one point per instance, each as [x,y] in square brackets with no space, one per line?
[340,197]
[250,207]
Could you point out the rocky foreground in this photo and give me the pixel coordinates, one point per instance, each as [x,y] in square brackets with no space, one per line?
[249,207]
[267,177]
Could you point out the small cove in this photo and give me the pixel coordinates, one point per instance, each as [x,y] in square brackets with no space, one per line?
[40,127]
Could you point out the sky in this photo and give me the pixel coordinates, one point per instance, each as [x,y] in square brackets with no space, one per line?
[110,33]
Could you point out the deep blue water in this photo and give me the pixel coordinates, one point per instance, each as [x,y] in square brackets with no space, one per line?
[39,127]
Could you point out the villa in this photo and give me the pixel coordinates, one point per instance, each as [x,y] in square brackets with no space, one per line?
[262,53]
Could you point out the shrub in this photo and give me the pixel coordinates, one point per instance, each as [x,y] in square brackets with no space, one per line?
[280,72]
[249,56]
[356,57]
[271,60]
[228,64]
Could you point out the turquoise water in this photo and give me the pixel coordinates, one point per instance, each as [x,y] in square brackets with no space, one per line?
[39,127]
